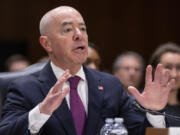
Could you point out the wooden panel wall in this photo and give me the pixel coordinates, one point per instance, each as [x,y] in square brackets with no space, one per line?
[114,26]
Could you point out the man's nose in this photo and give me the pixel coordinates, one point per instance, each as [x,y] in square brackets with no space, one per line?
[132,71]
[77,34]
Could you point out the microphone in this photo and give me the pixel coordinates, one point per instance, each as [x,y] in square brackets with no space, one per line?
[138,107]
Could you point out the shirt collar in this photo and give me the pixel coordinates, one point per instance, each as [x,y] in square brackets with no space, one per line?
[59,71]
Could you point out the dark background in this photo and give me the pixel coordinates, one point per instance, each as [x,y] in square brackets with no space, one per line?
[114,26]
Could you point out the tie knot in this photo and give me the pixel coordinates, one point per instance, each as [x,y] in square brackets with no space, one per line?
[73,81]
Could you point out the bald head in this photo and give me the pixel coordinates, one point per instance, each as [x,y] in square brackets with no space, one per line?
[48,19]
[64,37]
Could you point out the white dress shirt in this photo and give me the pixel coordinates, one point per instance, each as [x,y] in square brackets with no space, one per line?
[37,119]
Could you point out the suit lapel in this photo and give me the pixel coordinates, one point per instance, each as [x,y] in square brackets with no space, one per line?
[95,98]
[63,113]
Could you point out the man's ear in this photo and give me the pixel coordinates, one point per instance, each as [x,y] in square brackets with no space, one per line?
[45,43]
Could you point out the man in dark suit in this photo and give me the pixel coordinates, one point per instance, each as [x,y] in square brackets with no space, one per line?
[66,98]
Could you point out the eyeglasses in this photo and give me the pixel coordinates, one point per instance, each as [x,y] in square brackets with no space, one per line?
[171,67]
[126,69]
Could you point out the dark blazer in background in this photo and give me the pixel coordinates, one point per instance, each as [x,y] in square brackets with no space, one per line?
[27,92]
[173,110]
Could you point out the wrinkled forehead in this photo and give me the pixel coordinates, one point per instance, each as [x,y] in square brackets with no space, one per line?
[67,15]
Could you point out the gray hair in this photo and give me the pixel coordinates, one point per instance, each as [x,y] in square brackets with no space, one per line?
[117,61]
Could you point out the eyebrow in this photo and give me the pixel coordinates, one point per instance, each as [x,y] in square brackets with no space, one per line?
[82,23]
[70,23]
[66,23]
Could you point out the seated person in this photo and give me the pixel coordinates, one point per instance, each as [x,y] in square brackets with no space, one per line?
[93,59]
[7,77]
[169,56]
[16,62]
[44,59]
[66,98]
[129,69]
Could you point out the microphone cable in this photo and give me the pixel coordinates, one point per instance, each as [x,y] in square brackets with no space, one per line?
[138,107]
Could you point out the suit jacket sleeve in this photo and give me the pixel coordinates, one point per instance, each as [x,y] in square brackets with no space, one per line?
[15,113]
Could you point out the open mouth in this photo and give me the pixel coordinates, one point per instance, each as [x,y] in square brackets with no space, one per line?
[80,48]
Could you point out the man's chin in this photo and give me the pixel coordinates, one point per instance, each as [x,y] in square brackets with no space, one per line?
[79,63]
[81,60]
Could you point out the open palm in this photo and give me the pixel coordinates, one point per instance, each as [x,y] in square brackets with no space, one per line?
[155,94]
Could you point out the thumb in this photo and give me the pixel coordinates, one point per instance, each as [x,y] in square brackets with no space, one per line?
[135,93]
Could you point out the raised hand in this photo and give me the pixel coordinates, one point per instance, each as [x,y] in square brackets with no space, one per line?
[155,94]
[55,96]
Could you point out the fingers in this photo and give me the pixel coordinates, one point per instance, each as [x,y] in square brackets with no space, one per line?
[170,85]
[165,78]
[158,73]
[56,95]
[53,101]
[63,93]
[59,84]
[135,93]
[148,78]
[161,77]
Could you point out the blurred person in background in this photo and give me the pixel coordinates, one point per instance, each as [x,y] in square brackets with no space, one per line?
[44,59]
[169,56]
[16,62]
[93,60]
[129,69]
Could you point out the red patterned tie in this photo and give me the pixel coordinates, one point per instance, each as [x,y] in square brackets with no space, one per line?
[76,106]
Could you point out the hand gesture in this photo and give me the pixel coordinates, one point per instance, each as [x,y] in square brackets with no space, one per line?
[155,94]
[55,96]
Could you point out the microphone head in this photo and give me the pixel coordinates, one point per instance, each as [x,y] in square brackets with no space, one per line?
[137,107]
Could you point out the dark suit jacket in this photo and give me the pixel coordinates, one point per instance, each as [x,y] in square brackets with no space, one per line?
[27,92]
[173,110]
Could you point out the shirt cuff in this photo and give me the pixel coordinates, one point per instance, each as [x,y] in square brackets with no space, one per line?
[36,120]
[157,121]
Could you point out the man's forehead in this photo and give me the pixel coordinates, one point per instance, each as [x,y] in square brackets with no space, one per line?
[59,16]
[64,9]
[129,60]
[69,17]
[65,12]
